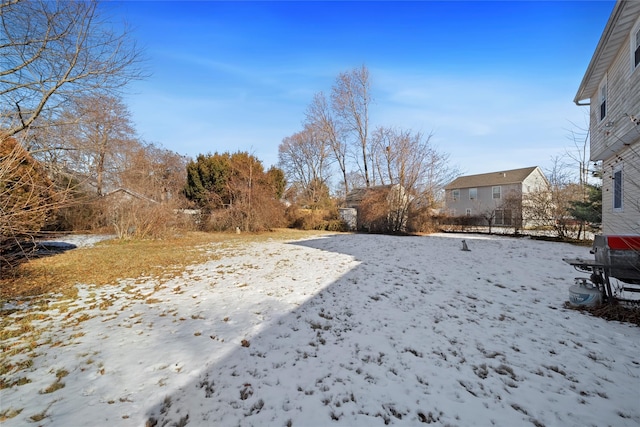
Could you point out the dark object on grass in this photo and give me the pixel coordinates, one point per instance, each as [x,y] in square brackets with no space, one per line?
[464,246]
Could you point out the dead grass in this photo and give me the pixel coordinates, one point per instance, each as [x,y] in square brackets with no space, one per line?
[7,414]
[614,311]
[112,260]
[50,283]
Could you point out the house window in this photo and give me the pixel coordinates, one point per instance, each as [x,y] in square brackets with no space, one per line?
[603,100]
[617,189]
[503,217]
[455,194]
[498,217]
[468,213]
[473,193]
[497,192]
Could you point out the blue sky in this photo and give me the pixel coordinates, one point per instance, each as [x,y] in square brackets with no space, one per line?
[493,81]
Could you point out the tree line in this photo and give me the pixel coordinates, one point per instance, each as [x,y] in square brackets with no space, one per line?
[70,158]
[339,149]
[67,139]
[334,153]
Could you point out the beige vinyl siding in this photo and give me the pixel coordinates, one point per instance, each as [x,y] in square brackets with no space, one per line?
[534,182]
[608,139]
[626,221]
[616,140]
[511,182]
[623,100]
[462,204]
[485,201]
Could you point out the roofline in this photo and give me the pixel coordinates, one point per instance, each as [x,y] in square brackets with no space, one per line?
[533,169]
[600,48]
[131,193]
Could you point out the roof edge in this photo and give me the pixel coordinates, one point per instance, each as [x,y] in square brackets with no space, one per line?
[531,169]
[600,47]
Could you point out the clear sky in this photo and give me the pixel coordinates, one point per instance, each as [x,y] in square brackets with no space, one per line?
[493,81]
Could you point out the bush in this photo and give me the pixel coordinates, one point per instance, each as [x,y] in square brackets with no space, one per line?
[27,200]
[263,214]
[422,221]
[315,219]
[139,219]
[459,223]
[76,217]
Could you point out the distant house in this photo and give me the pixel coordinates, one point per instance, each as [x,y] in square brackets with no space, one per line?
[120,195]
[611,86]
[377,208]
[494,197]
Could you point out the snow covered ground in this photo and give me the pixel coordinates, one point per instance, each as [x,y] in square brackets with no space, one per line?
[348,330]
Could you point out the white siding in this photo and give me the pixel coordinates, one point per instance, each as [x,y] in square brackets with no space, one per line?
[626,221]
[623,101]
[616,141]
[535,181]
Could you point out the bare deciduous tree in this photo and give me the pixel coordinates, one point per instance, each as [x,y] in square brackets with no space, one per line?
[400,156]
[319,117]
[409,159]
[350,100]
[512,210]
[580,152]
[100,139]
[548,206]
[398,159]
[304,156]
[53,50]
[154,172]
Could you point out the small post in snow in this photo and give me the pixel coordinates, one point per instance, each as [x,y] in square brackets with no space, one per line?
[464,246]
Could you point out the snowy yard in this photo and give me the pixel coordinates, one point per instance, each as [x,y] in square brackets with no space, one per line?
[348,330]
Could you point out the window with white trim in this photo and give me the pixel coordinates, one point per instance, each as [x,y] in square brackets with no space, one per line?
[468,212]
[455,194]
[473,193]
[602,99]
[497,192]
[617,189]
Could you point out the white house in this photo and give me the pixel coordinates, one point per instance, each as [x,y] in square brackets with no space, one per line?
[611,87]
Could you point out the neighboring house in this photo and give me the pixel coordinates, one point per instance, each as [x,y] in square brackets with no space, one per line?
[495,197]
[120,195]
[378,208]
[611,86]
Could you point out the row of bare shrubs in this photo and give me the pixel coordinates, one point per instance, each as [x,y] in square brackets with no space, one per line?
[128,218]
[315,219]
[256,214]
[377,220]
[270,215]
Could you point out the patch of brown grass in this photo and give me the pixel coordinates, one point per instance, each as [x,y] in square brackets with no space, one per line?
[613,311]
[9,413]
[112,260]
